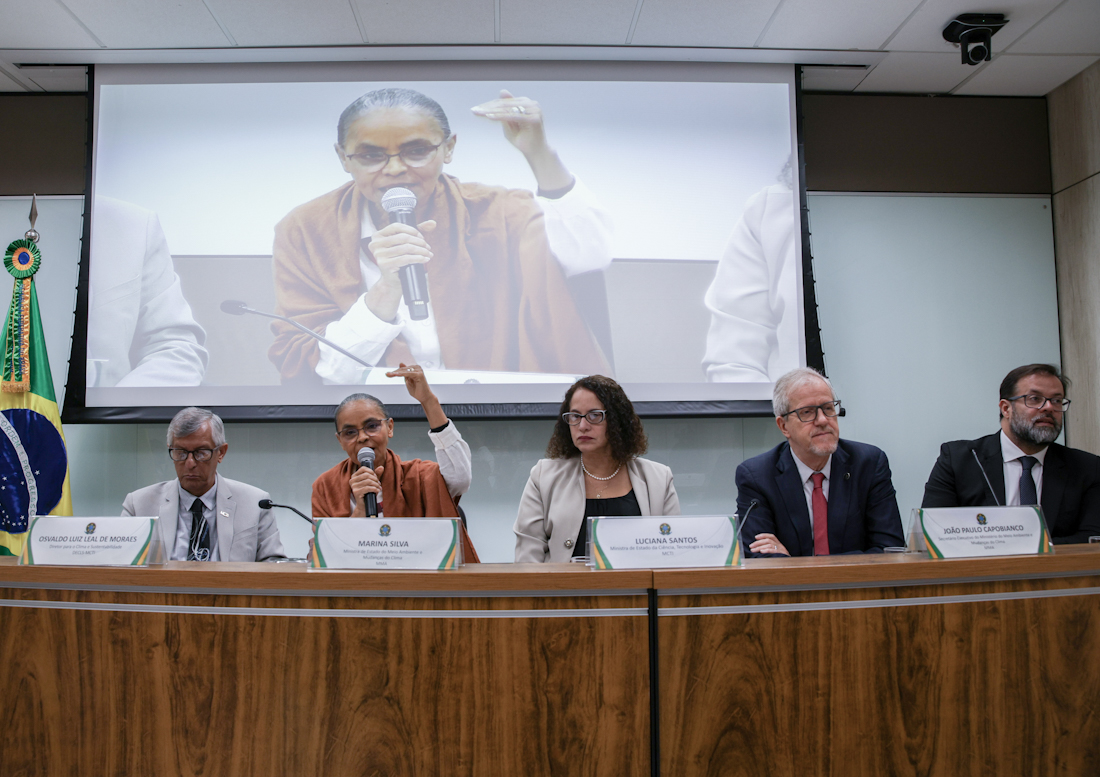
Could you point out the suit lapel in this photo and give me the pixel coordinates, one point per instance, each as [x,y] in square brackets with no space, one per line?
[168,518]
[224,510]
[641,490]
[1054,485]
[790,486]
[840,493]
[994,463]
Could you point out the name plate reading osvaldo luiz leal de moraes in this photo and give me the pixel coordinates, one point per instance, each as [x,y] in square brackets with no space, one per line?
[965,532]
[386,543]
[673,541]
[109,541]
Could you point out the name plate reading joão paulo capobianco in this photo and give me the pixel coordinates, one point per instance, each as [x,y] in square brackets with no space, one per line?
[386,543]
[964,532]
[109,541]
[662,542]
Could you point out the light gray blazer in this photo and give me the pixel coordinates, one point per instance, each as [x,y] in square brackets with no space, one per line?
[245,532]
[552,506]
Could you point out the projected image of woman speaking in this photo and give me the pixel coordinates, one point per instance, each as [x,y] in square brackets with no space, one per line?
[493,293]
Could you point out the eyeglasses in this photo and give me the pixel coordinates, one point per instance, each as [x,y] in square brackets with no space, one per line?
[1038,401]
[595,417]
[179,454]
[808,414]
[350,433]
[413,156]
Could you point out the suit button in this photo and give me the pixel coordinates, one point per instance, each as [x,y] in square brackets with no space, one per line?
[569,543]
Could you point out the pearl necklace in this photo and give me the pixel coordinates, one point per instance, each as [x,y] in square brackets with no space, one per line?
[594,477]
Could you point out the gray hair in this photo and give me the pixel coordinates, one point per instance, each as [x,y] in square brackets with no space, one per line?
[358,398]
[190,420]
[391,98]
[800,376]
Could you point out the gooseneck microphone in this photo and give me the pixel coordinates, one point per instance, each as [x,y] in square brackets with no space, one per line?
[366,459]
[267,504]
[752,504]
[400,203]
[984,475]
[235,307]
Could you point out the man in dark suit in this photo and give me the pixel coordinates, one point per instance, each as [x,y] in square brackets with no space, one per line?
[1021,464]
[815,494]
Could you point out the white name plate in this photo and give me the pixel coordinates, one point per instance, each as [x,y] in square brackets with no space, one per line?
[965,532]
[386,543]
[111,541]
[676,541]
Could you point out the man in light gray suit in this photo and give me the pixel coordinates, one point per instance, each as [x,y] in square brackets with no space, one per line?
[203,516]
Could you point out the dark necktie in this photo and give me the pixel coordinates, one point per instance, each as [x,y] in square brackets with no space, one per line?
[199,549]
[1027,482]
[821,516]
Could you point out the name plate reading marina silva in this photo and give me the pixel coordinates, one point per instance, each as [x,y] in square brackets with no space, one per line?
[112,541]
[676,541]
[966,532]
[386,543]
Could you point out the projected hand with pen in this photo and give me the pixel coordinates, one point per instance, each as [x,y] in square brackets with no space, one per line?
[522,121]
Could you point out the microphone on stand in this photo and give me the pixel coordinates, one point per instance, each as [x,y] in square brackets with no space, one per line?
[235,307]
[984,475]
[366,459]
[400,203]
[267,504]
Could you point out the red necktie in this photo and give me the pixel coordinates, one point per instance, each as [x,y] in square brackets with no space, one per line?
[821,516]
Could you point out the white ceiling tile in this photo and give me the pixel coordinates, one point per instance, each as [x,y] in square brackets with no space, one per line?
[836,24]
[917,73]
[428,21]
[288,22]
[1025,75]
[58,79]
[156,24]
[736,23]
[578,22]
[41,25]
[7,85]
[831,79]
[1073,29]
[924,32]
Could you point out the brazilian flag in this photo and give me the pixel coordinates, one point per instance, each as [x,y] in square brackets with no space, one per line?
[34,467]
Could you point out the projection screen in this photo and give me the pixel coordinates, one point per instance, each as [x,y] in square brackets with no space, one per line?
[639,220]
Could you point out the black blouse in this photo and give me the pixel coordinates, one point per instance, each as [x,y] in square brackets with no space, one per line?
[598,508]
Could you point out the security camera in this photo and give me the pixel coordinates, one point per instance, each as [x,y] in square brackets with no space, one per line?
[973,31]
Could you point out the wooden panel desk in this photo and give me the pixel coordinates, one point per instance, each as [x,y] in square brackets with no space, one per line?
[269,669]
[882,665]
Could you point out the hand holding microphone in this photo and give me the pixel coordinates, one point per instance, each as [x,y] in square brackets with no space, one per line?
[365,485]
[400,251]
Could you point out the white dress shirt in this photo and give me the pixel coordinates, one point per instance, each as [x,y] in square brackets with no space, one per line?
[183,523]
[808,484]
[1013,469]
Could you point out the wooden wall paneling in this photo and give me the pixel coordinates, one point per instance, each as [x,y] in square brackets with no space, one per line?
[1077,241]
[1075,128]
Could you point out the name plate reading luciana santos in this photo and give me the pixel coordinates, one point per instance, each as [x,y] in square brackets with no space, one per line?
[110,541]
[675,541]
[386,543]
[964,532]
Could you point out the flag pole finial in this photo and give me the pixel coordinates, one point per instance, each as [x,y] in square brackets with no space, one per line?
[31,234]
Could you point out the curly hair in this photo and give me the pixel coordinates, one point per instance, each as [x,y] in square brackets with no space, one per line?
[625,434]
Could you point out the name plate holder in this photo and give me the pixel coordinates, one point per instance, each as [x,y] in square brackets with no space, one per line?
[92,542]
[973,532]
[386,543]
[664,542]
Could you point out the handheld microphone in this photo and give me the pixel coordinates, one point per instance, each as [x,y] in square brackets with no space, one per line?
[366,459]
[400,203]
[984,475]
[267,504]
[235,307]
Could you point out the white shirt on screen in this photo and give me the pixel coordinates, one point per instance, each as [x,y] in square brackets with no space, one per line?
[806,474]
[1014,469]
[579,233]
[183,525]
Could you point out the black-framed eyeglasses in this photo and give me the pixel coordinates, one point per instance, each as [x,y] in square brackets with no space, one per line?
[350,433]
[201,454]
[595,417]
[1038,401]
[416,155]
[808,414]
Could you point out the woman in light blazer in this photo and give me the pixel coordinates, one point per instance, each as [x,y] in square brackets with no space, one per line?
[593,469]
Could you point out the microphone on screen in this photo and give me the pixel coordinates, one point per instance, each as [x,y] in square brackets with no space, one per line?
[400,203]
[235,307]
[267,504]
[984,475]
[366,459]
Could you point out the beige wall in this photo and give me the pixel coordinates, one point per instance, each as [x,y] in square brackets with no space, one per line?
[1074,110]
